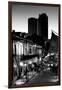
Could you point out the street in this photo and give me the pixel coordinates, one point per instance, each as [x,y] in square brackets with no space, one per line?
[45,77]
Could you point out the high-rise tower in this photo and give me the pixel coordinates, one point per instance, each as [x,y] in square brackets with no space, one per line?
[42,29]
[32,26]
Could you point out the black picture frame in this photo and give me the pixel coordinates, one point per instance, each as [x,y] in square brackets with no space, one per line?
[10,45]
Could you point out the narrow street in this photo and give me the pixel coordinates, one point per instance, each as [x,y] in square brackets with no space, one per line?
[45,77]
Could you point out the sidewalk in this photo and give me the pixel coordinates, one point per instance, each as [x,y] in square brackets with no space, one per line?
[23,81]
